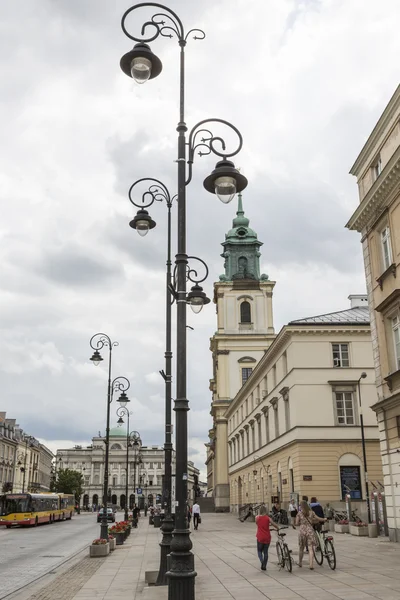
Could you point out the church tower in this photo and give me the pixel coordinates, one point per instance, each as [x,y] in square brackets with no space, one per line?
[245,329]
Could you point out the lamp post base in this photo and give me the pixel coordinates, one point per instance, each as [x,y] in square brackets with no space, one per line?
[104,529]
[181,576]
[165,545]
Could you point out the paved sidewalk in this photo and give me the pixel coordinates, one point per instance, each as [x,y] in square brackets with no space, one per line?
[228,567]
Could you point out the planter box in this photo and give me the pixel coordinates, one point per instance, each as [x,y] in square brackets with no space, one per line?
[331,524]
[113,544]
[341,528]
[358,530]
[100,550]
[120,538]
[373,530]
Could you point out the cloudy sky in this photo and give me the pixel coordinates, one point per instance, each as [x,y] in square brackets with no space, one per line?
[304,82]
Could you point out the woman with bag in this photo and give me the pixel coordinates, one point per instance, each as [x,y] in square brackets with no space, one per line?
[306,519]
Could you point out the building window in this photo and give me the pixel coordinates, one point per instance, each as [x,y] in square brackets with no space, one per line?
[245,312]
[386,248]
[396,340]
[259,433]
[114,481]
[246,372]
[398,425]
[344,408]
[377,168]
[340,355]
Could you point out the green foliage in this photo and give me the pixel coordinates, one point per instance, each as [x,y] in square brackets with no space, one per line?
[7,487]
[69,482]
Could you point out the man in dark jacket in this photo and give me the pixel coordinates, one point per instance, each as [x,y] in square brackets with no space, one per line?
[318,510]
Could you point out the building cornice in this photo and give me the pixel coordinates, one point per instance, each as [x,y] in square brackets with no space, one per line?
[379,196]
[380,128]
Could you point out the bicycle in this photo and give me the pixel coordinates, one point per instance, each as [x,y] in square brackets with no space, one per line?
[283,552]
[324,548]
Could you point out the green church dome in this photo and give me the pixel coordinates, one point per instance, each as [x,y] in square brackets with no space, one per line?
[241,249]
[118,432]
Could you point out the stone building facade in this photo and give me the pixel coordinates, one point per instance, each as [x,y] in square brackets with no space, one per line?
[25,463]
[145,471]
[294,426]
[377,218]
[286,409]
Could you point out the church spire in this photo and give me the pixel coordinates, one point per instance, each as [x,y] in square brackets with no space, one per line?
[241,249]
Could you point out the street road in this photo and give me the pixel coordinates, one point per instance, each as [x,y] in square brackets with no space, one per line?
[28,553]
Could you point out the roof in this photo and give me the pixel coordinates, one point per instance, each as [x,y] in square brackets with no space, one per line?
[352,316]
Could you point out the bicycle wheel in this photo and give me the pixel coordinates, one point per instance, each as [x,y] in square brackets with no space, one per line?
[319,556]
[287,558]
[330,554]
[281,560]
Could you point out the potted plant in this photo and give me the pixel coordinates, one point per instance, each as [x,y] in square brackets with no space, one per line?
[118,532]
[342,526]
[99,547]
[359,528]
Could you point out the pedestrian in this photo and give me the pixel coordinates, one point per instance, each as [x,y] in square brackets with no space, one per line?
[196,515]
[306,519]
[135,513]
[145,510]
[293,513]
[248,514]
[263,535]
[276,512]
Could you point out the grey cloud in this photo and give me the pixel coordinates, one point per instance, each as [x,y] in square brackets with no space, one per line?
[70,265]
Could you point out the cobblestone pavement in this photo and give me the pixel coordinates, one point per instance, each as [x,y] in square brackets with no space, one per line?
[66,586]
[26,554]
[228,568]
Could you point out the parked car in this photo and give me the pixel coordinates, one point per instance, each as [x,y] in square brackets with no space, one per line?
[110,515]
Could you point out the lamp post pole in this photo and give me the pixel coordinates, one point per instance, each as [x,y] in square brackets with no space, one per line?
[141,64]
[158,192]
[123,411]
[97,342]
[363,376]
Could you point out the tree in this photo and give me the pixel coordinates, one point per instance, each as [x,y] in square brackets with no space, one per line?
[7,487]
[69,482]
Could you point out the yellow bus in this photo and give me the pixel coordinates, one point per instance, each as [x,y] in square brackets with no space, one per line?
[32,509]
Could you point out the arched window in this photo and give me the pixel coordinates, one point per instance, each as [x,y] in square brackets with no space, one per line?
[115,447]
[245,312]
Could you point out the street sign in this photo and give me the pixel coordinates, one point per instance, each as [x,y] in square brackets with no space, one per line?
[139,491]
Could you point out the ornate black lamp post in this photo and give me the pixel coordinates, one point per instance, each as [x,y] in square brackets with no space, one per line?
[28,439]
[363,376]
[141,64]
[121,384]
[135,442]
[123,411]
[157,192]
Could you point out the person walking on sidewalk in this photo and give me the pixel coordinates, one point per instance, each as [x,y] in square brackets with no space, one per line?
[263,535]
[293,513]
[196,515]
[306,519]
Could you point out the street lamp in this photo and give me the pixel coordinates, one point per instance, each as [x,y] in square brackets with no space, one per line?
[28,439]
[142,222]
[121,384]
[135,442]
[363,376]
[123,411]
[142,64]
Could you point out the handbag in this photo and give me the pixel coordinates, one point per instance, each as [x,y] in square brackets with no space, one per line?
[199,519]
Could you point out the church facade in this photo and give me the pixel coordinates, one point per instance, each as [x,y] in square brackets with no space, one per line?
[286,408]
[245,329]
